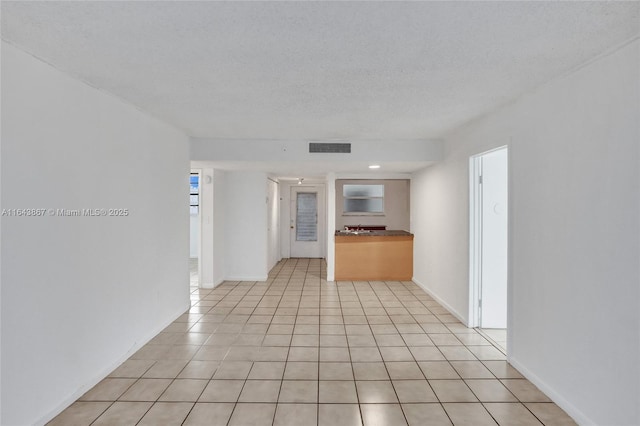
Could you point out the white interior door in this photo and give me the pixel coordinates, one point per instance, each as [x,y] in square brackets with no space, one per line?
[307,221]
[494,225]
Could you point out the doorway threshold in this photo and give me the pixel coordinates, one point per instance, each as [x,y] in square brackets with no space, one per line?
[496,336]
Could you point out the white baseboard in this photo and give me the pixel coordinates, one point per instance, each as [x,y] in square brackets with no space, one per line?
[444,304]
[213,284]
[558,399]
[577,415]
[247,278]
[106,371]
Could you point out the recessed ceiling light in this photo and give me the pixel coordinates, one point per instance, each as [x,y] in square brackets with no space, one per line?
[374,166]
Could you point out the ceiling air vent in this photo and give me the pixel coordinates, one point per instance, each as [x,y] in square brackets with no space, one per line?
[340,148]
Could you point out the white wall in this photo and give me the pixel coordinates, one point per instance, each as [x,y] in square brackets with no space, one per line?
[273,223]
[439,222]
[79,294]
[206,229]
[194,235]
[285,218]
[574,313]
[235,236]
[331,226]
[246,247]
[219,226]
[396,204]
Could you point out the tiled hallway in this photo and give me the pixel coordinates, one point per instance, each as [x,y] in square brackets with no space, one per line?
[298,350]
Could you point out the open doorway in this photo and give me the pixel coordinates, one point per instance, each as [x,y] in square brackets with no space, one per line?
[194,228]
[488,245]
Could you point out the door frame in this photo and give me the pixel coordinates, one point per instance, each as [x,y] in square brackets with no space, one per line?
[475,237]
[199,221]
[285,213]
[321,211]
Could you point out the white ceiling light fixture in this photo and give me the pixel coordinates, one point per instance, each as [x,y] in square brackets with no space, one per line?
[374,166]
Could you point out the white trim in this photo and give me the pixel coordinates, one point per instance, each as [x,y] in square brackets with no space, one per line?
[555,396]
[321,190]
[510,344]
[278,205]
[65,403]
[475,239]
[206,248]
[440,301]
[330,196]
[210,285]
[247,278]
[200,231]
[284,210]
[475,236]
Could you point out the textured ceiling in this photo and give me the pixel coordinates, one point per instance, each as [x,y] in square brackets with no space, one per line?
[317,70]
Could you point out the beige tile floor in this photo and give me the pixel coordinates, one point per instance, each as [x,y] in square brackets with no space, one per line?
[298,350]
[497,337]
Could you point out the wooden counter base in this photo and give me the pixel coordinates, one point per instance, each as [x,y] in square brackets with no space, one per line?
[374,258]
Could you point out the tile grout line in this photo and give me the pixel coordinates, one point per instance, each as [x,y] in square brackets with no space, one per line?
[406,345]
[296,288]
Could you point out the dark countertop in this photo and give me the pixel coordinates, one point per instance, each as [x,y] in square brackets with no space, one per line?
[389,233]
